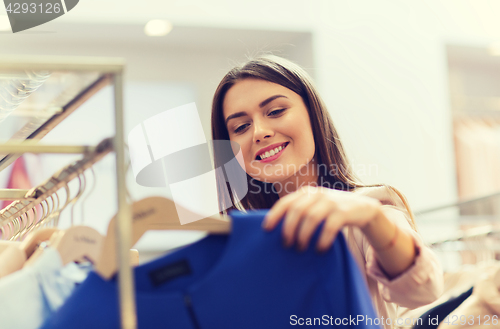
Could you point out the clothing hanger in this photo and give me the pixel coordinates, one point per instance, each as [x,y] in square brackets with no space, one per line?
[81,189]
[32,223]
[154,213]
[34,234]
[15,225]
[60,209]
[45,212]
[52,216]
[33,240]
[20,225]
[14,257]
[78,243]
[75,244]
[57,236]
[49,211]
[88,193]
[28,223]
[82,243]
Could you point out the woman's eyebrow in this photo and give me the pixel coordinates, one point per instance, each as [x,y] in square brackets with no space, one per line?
[270,99]
[262,104]
[235,115]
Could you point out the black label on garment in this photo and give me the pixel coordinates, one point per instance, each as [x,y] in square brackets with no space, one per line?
[169,272]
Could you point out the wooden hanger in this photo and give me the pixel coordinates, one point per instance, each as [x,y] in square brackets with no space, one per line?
[14,257]
[154,213]
[4,244]
[75,244]
[33,239]
[78,244]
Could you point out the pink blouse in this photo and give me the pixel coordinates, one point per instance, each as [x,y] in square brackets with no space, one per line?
[420,284]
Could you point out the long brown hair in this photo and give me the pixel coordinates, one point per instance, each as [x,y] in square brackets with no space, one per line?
[329,151]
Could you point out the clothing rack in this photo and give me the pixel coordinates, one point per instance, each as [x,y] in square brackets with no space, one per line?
[458,204]
[38,194]
[476,232]
[470,246]
[65,108]
[466,237]
[99,72]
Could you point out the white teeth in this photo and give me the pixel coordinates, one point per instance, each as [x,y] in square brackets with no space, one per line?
[271,153]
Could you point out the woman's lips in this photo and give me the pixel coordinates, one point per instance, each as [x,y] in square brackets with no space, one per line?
[274,157]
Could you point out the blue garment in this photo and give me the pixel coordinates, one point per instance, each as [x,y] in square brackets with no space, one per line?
[237,281]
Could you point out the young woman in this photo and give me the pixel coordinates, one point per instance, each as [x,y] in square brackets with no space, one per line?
[296,167]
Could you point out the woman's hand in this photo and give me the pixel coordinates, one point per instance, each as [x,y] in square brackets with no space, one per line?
[308,207]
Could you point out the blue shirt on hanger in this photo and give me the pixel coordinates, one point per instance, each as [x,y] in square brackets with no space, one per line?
[242,280]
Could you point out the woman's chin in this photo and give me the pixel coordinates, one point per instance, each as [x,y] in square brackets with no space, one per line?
[271,179]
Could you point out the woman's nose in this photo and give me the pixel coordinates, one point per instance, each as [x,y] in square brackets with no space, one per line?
[261,131]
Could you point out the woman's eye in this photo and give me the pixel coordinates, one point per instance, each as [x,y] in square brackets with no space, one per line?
[276,112]
[241,128]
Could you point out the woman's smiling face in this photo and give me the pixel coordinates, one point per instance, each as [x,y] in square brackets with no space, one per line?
[262,116]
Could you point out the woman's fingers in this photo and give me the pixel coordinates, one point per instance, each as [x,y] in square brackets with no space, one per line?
[305,210]
[332,226]
[277,212]
[315,215]
[294,215]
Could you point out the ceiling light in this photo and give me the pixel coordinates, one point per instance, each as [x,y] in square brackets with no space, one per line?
[494,49]
[157,28]
[5,23]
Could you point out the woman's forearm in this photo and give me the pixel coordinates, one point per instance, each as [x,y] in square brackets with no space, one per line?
[394,248]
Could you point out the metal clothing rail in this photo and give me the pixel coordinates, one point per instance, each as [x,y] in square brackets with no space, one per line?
[470,233]
[57,117]
[35,147]
[112,68]
[13,194]
[37,195]
[457,204]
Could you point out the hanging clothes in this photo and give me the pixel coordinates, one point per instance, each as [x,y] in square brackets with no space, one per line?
[242,280]
[455,284]
[432,318]
[23,172]
[29,296]
[477,150]
[481,309]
